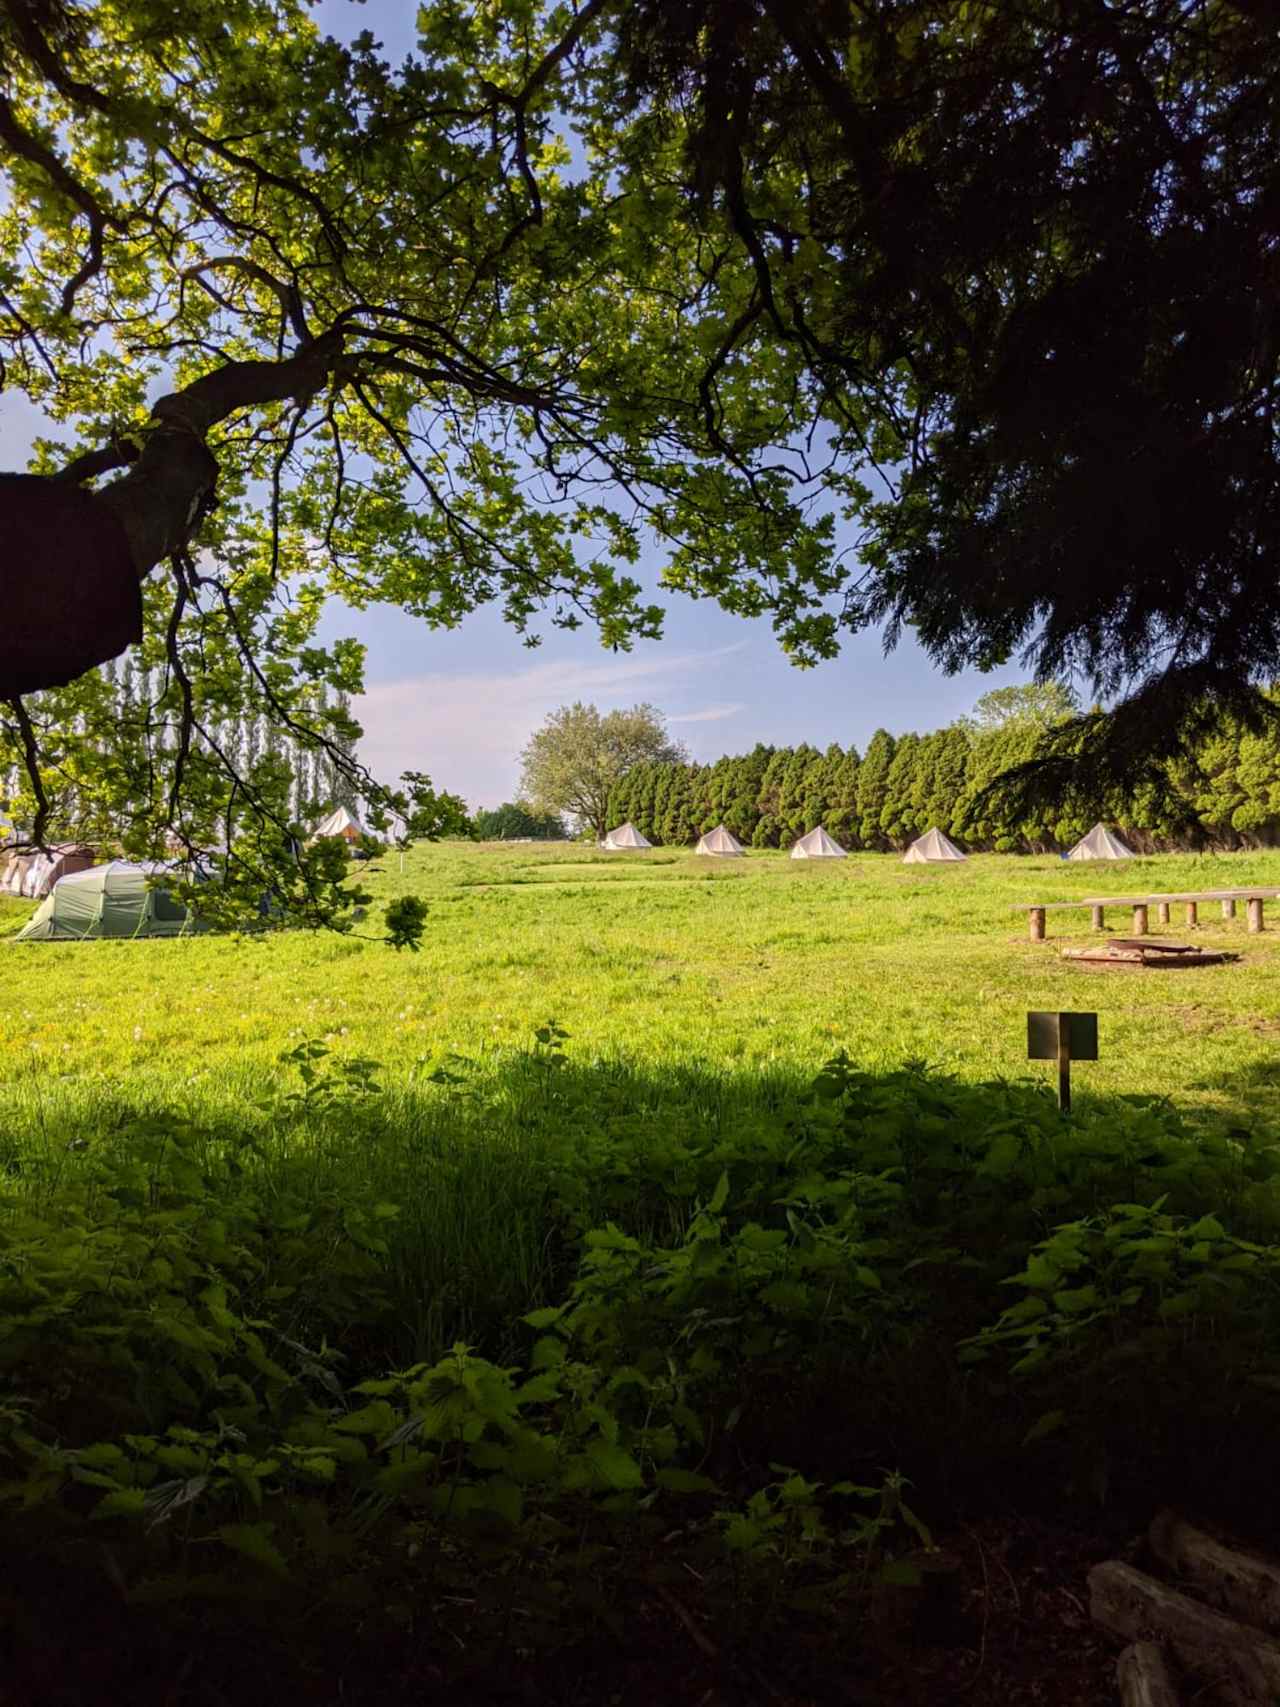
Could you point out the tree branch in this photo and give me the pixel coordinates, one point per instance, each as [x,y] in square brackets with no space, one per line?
[289,295]
[31,149]
[119,453]
[31,764]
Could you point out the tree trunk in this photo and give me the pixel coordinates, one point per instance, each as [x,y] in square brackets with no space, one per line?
[1240,1661]
[73,559]
[1237,1583]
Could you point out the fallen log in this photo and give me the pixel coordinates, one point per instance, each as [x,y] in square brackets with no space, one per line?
[1143,1675]
[1242,1663]
[1234,1582]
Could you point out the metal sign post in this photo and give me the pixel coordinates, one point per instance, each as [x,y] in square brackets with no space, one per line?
[1062,1038]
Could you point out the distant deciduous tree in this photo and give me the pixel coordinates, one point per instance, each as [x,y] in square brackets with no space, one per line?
[1038,704]
[576,759]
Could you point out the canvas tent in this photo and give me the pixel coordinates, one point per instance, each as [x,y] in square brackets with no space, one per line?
[719,841]
[13,872]
[340,823]
[818,845]
[1100,844]
[33,874]
[113,900]
[932,848]
[625,836]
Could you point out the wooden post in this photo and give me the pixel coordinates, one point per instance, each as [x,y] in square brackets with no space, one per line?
[1193,915]
[1228,909]
[1139,918]
[1035,916]
[1162,912]
[1064,1063]
[1255,913]
[1099,923]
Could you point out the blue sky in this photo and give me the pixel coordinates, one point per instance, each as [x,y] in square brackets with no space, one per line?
[461,705]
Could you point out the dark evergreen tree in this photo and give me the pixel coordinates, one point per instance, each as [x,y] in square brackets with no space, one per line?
[743,812]
[769,799]
[898,820]
[873,777]
[842,818]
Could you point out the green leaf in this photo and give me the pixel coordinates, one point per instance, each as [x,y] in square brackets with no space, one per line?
[378,1418]
[1044,1425]
[614,1465]
[546,1318]
[1208,1227]
[253,1541]
[685,1482]
[123,1502]
[1076,1299]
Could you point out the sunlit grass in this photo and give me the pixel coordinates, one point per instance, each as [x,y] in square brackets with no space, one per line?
[756,965]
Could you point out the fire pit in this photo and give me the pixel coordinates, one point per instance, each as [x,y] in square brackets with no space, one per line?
[1144,951]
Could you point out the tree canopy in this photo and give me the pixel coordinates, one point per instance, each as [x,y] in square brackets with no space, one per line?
[574,761]
[998,283]
[1027,254]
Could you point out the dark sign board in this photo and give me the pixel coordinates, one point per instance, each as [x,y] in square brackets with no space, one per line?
[1081,1036]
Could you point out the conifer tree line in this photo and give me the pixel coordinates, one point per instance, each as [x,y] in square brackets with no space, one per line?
[900,786]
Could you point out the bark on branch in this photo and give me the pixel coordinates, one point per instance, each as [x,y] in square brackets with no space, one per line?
[160,499]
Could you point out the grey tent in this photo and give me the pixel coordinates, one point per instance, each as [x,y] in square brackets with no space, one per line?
[932,848]
[1100,844]
[340,823]
[818,845]
[625,836]
[721,842]
[113,900]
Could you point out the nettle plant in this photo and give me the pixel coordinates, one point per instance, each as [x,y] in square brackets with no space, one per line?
[1134,1301]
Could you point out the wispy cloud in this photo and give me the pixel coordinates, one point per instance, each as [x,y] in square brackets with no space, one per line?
[466,730]
[712,714]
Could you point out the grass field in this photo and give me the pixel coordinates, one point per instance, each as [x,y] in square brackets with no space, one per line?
[663,962]
[254,1192]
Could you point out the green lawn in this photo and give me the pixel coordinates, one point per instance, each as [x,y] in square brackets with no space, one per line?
[661,960]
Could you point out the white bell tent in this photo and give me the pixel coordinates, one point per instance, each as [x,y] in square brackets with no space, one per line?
[720,842]
[933,848]
[340,823]
[818,845]
[624,837]
[1100,844]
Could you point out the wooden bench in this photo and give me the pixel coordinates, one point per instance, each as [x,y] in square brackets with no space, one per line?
[1097,905]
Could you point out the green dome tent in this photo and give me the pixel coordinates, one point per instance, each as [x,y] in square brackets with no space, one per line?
[113,900]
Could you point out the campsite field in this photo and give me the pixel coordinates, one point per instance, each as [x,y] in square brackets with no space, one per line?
[548,1259]
[738,971]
